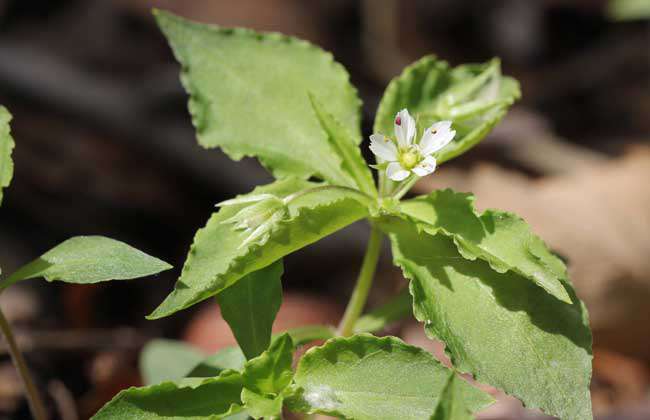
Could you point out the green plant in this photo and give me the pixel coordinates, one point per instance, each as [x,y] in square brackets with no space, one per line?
[482,283]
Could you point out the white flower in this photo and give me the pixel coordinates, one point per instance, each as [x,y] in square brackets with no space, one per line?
[403,156]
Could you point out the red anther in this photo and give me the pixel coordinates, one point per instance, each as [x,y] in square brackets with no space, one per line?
[398,120]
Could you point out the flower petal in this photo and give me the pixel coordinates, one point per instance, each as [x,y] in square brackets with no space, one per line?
[383,147]
[436,137]
[404,128]
[425,167]
[396,172]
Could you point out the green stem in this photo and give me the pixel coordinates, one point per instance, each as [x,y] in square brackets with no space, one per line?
[404,187]
[33,397]
[364,282]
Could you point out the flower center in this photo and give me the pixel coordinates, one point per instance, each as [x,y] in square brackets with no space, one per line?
[409,158]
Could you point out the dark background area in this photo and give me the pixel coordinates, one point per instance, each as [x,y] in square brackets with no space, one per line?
[104,145]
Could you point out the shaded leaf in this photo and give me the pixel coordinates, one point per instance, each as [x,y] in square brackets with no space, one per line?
[248,96]
[366,377]
[89,259]
[167,360]
[190,399]
[502,239]
[504,330]
[216,260]
[340,140]
[250,305]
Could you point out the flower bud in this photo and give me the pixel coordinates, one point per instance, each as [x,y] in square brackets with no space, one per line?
[259,219]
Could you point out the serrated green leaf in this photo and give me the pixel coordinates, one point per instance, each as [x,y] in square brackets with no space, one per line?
[340,140]
[248,96]
[217,260]
[271,372]
[250,305]
[188,399]
[502,239]
[89,259]
[474,97]
[505,330]
[399,307]
[452,406]
[167,360]
[366,377]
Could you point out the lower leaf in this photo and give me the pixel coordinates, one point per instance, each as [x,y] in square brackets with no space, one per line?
[189,399]
[506,331]
[365,377]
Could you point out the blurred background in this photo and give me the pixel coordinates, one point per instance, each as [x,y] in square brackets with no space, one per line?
[105,146]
